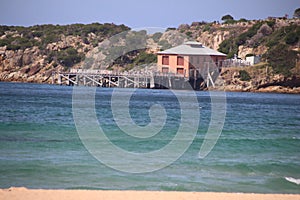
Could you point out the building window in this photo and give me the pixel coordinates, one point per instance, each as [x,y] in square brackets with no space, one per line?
[198,59]
[165,60]
[180,60]
[165,70]
[191,59]
[180,71]
[217,61]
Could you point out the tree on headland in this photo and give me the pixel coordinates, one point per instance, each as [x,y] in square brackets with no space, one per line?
[227,17]
[281,59]
[297,13]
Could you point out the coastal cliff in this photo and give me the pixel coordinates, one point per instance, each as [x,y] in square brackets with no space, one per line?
[32,54]
[259,78]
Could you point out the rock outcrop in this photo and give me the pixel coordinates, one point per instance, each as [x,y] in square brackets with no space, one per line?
[261,79]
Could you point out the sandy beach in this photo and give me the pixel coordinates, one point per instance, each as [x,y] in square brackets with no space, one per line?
[32,194]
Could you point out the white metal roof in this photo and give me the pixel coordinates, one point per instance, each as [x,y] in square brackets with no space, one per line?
[192,48]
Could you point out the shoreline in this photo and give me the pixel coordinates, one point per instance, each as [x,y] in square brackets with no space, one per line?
[24,193]
[270,89]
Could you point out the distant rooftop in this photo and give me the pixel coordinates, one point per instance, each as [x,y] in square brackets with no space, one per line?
[192,48]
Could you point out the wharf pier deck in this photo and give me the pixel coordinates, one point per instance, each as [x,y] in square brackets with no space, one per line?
[121,80]
[197,80]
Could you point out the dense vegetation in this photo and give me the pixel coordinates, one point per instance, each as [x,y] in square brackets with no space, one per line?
[297,13]
[281,58]
[128,49]
[279,41]
[20,38]
[244,75]
[66,57]
[41,35]
[230,46]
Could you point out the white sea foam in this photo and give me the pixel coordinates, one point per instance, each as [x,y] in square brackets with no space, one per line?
[293,180]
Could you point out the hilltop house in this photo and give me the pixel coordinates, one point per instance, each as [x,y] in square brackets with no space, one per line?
[188,58]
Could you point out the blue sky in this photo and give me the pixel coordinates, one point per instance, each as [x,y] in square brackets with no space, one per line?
[138,13]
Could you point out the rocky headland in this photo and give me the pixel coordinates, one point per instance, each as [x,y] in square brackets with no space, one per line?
[32,54]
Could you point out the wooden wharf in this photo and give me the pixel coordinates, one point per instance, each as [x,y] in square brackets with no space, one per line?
[136,79]
[105,78]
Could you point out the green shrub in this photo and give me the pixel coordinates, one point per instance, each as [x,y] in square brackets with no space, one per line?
[69,57]
[156,36]
[51,33]
[297,13]
[170,29]
[164,44]
[244,75]
[242,38]
[13,47]
[54,64]
[291,38]
[3,29]
[16,43]
[145,58]
[228,47]
[243,20]
[288,35]
[281,59]
[271,43]
[50,38]
[3,42]
[271,23]
[189,33]
[37,33]
[230,21]
[206,27]
[232,53]
[227,17]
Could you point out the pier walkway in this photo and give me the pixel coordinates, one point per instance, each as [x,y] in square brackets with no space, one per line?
[106,78]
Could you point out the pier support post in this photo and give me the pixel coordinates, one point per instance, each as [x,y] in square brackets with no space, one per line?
[53,74]
[59,79]
[77,79]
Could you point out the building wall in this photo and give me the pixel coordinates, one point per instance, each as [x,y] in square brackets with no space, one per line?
[159,62]
[173,67]
[189,63]
[253,60]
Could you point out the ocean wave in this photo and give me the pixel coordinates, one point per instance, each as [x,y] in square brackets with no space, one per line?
[293,180]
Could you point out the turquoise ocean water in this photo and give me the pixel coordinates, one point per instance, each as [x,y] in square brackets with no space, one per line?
[258,151]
